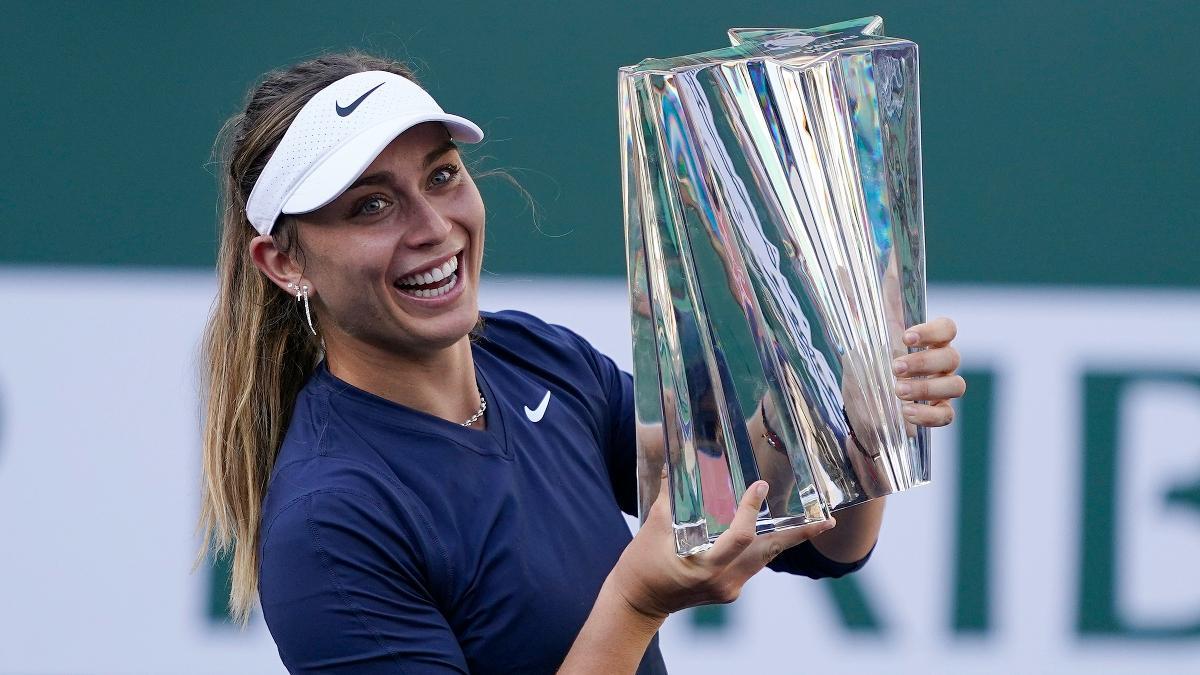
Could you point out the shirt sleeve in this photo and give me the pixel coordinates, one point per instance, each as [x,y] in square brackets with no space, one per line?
[621,452]
[805,559]
[344,590]
[617,423]
[620,441]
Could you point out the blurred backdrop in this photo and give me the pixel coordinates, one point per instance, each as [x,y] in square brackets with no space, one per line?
[1062,226]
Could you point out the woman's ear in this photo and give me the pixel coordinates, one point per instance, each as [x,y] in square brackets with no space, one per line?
[277,265]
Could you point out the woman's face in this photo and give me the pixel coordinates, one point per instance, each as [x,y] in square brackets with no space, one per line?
[370,255]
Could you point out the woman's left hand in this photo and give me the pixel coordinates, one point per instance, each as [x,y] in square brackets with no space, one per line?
[929,375]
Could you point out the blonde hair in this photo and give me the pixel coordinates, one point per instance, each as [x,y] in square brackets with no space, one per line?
[257,350]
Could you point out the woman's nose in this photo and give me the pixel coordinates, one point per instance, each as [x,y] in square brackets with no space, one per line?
[429,227]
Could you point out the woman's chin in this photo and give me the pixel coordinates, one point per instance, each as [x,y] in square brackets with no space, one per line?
[441,332]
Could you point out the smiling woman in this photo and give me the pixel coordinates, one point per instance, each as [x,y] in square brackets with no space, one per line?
[413,211]
[404,485]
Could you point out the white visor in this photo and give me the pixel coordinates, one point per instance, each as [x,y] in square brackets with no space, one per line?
[336,136]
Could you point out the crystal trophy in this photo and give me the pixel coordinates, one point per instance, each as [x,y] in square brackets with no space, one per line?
[775,253]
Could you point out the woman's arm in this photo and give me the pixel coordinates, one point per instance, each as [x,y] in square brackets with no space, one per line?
[926,375]
[856,533]
[650,582]
[614,638]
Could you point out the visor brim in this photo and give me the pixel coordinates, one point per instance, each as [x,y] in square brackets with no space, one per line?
[330,177]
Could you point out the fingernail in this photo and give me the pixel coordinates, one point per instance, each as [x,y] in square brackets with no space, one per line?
[911,337]
[899,367]
[909,410]
[829,524]
[903,389]
[760,490]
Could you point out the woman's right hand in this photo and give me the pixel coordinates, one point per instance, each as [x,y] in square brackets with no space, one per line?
[655,581]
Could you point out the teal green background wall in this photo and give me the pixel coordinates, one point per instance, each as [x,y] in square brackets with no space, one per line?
[1060,139]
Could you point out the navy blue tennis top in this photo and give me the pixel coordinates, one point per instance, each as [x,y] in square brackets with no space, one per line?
[393,541]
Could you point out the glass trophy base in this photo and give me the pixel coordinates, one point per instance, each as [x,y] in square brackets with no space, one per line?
[692,538]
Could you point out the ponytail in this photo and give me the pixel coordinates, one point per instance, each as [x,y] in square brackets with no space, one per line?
[257,351]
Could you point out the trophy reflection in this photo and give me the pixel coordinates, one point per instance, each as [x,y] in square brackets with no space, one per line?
[774,235]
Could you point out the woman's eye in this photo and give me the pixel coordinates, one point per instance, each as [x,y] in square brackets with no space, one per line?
[372,206]
[443,175]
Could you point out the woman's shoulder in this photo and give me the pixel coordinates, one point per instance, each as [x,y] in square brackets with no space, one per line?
[333,479]
[313,499]
[311,533]
[520,332]
[321,466]
[514,322]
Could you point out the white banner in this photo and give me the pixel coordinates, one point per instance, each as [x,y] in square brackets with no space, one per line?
[1064,540]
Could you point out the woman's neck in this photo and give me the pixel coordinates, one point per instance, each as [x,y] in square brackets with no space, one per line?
[440,383]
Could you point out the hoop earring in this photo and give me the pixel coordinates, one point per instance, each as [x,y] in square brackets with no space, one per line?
[302,296]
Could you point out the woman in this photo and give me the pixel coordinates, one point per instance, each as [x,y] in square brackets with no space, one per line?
[414,487]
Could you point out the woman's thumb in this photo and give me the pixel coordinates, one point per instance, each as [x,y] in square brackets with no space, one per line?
[661,508]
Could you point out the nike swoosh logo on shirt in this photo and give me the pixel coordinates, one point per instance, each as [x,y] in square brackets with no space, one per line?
[343,112]
[536,415]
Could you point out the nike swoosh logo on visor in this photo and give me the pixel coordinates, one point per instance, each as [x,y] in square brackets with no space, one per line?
[343,112]
[536,415]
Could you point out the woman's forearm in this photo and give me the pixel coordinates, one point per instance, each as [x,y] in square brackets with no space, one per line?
[857,526]
[856,532]
[613,639]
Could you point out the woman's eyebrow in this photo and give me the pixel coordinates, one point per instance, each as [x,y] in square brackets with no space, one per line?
[385,177]
[440,150]
[377,178]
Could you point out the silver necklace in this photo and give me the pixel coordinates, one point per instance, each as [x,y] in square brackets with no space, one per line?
[478,413]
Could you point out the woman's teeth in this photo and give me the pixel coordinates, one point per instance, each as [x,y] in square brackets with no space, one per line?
[434,292]
[421,285]
[436,274]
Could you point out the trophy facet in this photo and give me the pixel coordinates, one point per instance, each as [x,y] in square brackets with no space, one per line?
[775,252]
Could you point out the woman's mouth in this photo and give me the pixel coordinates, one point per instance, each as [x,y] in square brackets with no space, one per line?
[431,284]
